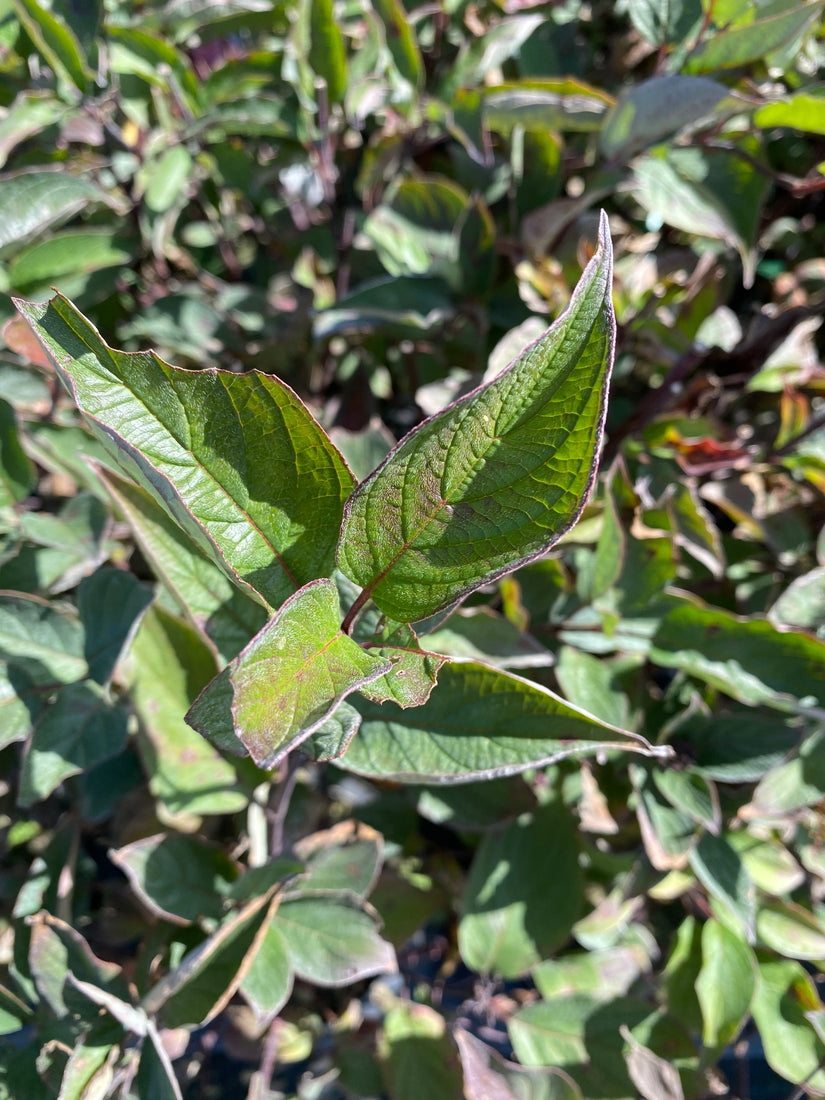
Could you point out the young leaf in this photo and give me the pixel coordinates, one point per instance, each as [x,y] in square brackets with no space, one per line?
[290,678]
[236,459]
[495,479]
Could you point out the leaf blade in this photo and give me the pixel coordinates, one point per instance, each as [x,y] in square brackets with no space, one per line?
[437,520]
[236,459]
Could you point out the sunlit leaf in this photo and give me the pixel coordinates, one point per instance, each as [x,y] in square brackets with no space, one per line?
[495,479]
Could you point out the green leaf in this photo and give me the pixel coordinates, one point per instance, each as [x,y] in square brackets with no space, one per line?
[331,740]
[155,1075]
[802,604]
[400,39]
[706,193]
[414,229]
[267,983]
[332,941]
[55,41]
[63,255]
[226,616]
[327,55]
[488,1076]
[542,105]
[479,634]
[58,549]
[56,950]
[800,112]
[167,179]
[495,479]
[653,109]
[725,984]
[176,877]
[89,1072]
[720,870]
[523,895]
[168,665]
[40,640]
[111,604]
[658,21]
[479,723]
[751,41]
[417,1056]
[32,202]
[785,994]
[588,682]
[78,730]
[580,1035]
[791,930]
[413,671]
[690,792]
[236,459]
[290,678]
[205,980]
[749,659]
[344,859]
[16,469]
[30,113]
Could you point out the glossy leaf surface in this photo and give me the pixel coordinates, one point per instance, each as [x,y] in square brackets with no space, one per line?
[235,458]
[495,479]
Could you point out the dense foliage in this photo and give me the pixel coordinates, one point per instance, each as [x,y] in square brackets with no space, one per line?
[562,841]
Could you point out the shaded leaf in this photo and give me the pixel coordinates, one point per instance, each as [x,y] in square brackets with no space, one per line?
[41,640]
[203,983]
[747,658]
[523,894]
[488,1076]
[32,202]
[176,877]
[168,665]
[17,473]
[111,604]
[55,41]
[78,730]
[652,109]
[227,616]
[332,942]
[418,1058]
[267,983]
[750,41]
[785,994]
